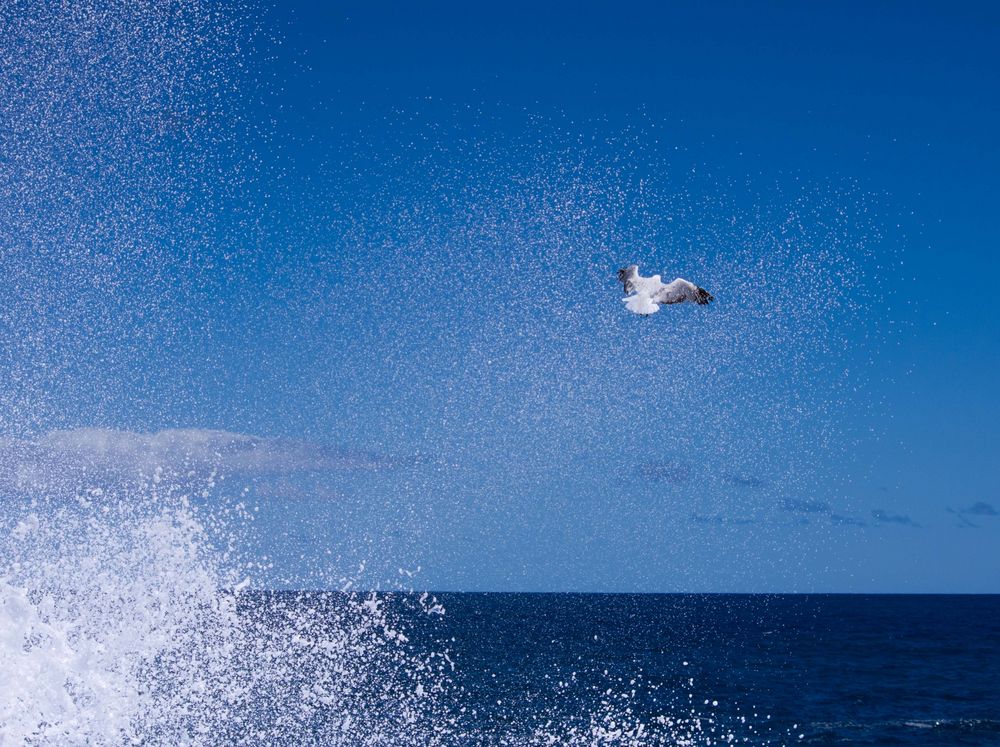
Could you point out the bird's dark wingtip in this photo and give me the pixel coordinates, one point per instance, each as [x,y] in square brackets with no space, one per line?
[704,296]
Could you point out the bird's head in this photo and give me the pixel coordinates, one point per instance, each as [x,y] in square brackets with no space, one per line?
[626,273]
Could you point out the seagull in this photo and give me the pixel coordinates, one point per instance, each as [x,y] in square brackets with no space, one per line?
[649,293]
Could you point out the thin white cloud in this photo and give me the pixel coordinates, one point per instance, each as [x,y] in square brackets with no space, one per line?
[74,454]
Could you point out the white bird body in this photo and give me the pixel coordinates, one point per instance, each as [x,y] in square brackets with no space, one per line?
[649,293]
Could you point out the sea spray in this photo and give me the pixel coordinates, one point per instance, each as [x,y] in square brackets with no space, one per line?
[125,619]
[128,614]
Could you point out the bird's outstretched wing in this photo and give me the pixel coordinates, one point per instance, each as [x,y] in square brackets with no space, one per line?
[681,290]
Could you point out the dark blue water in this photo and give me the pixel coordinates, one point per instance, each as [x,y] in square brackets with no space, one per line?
[853,669]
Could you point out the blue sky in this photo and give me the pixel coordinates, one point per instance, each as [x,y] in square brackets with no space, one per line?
[393,231]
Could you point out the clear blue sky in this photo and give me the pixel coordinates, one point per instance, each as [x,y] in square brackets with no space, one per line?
[395,228]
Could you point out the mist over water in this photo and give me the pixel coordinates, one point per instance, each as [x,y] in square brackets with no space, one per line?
[441,300]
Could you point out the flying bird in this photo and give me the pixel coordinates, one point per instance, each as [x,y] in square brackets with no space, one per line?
[647,294]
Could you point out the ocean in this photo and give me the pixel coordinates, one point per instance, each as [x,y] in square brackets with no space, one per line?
[714,669]
[814,669]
